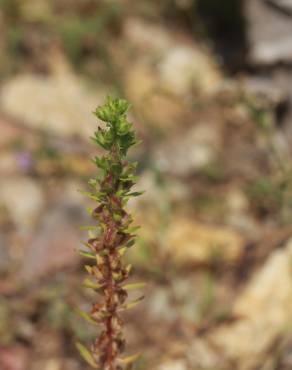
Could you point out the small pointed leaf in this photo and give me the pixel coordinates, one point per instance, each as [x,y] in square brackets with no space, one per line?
[85,316]
[129,268]
[132,304]
[134,286]
[87,227]
[129,359]
[87,254]
[130,243]
[89,195]
[86,354]
[122,251]
[135,193]
[91,285]
[89,269]
[133,229]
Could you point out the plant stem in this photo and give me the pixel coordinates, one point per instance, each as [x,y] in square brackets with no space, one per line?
[113,236]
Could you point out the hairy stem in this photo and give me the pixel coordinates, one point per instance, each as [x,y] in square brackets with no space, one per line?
[113,235]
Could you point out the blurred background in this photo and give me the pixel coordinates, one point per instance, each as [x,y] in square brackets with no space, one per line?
[210,84]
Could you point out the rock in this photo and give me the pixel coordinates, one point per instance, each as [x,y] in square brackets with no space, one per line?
[264,90]
[203,356]
[237,201]
[263,310]
[147,36]
[186,67]
[285,5]
[180,64]
[35,10]
[143,89]
[48,364]
[54,364]
[269,32]
[191,242]
[160,307]
[187,302]
[54,246]
[173,67]
[60,103]
[194,149]
[140,82]
[238,215]
[173,365]
[171,190]
[23,198]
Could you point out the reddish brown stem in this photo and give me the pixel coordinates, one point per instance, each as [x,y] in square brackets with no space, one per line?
[112,191]
[109,290]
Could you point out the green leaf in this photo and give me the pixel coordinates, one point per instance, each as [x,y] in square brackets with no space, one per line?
[87,254]
[92,233]
[91,285]
[90,195]
[124,127]
[134,286]
[103,113]
[117,276]
[125,201]
[85,316]
[135,193]
[93,182]
[86,354]
[129,268]
[129,359]
[88,269]
[102,139]
[88,227]
[132,304]
[130,243]
[133,229]
[117,217]
[89,210]
[132,178]
[121,106]
[122,251]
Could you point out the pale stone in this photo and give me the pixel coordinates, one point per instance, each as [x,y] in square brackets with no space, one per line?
[59,103]
[285,5]
[237,201]
[160,307]
[35,10]
[269,33]
[140,82]
[185,67]
[143,89]
[155,193]
[188,241]
[264,313]
[23,198]
[195,149]
[148,35]
[173,365]
[173,64]
[54,246]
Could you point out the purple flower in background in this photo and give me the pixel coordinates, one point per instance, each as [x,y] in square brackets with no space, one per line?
[25,161]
